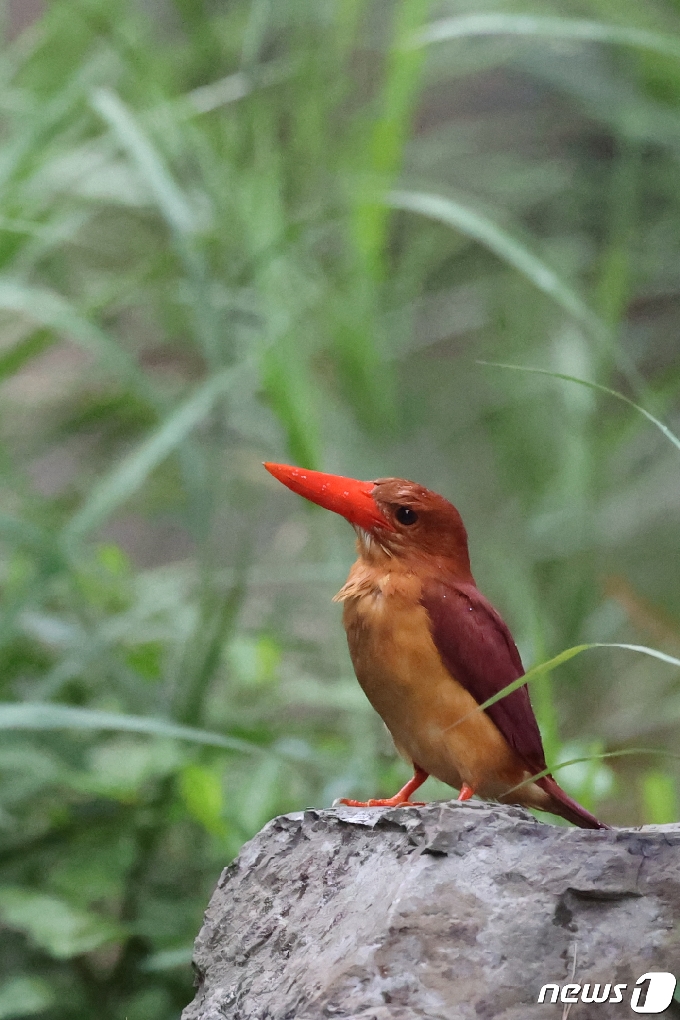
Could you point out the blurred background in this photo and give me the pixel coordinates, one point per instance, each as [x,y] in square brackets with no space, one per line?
[244,230]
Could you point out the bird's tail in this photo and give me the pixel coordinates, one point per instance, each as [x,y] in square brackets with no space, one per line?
[564,806]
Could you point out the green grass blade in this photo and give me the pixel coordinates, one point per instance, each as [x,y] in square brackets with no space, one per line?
[51,310]
[36,716]
[534,673]
[233,87]
[229,89]
[529,25]
[23,533]
[167,959]
[570,653]
[385,147]
[204,649]
[131,473]
[175,209]
[516,254]
[592,386]
[22,352]
[595,757]
[168,195]
[558,660]
[654,652]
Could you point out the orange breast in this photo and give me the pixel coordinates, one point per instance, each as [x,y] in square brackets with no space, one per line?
[431,717]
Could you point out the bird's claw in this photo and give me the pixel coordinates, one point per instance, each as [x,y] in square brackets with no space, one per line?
[389,802]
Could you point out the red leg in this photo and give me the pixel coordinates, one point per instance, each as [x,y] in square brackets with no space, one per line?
[465,792]
[400,799]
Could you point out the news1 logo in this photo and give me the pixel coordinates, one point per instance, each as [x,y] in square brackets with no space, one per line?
[652,993]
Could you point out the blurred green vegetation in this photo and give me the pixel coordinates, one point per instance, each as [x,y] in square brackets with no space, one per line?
[240,231]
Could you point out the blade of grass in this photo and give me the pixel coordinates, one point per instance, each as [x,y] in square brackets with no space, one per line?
[31,346]
[131,473]
[570,653]
[206,645]
[529,25]
[385,146]
[167,959]
[52,311]
[594,757]
[44,118]
[23,534]
[593,386]
[167,194]
[175,210]
[234,87]
[516,254]
[28,716]
[558,660]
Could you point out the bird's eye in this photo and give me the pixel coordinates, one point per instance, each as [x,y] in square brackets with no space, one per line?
[405,515]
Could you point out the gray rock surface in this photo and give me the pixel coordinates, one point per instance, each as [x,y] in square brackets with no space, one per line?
[446,912]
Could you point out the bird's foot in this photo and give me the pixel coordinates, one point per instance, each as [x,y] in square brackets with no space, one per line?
[465,792]
[395,801]
[400,799]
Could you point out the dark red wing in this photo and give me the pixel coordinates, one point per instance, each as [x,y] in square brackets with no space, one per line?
[477,649]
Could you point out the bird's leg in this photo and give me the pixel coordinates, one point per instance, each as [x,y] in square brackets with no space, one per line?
[400,799]
[465,792]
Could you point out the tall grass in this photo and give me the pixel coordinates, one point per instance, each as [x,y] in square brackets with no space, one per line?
[290,231]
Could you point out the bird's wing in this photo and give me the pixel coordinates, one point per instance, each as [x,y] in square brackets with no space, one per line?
[477,649]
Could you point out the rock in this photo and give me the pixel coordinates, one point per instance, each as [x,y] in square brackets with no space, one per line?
[446,912]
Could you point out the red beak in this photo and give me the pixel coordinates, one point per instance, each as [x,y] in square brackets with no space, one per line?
[345,496]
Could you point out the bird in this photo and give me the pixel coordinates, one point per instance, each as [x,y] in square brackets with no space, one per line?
[428,648]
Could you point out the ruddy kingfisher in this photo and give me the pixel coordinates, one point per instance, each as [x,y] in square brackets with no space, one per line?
[428,649]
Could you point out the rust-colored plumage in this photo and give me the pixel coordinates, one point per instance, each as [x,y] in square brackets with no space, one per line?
[428,648]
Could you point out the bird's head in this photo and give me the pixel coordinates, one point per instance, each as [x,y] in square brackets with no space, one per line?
[391,516]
